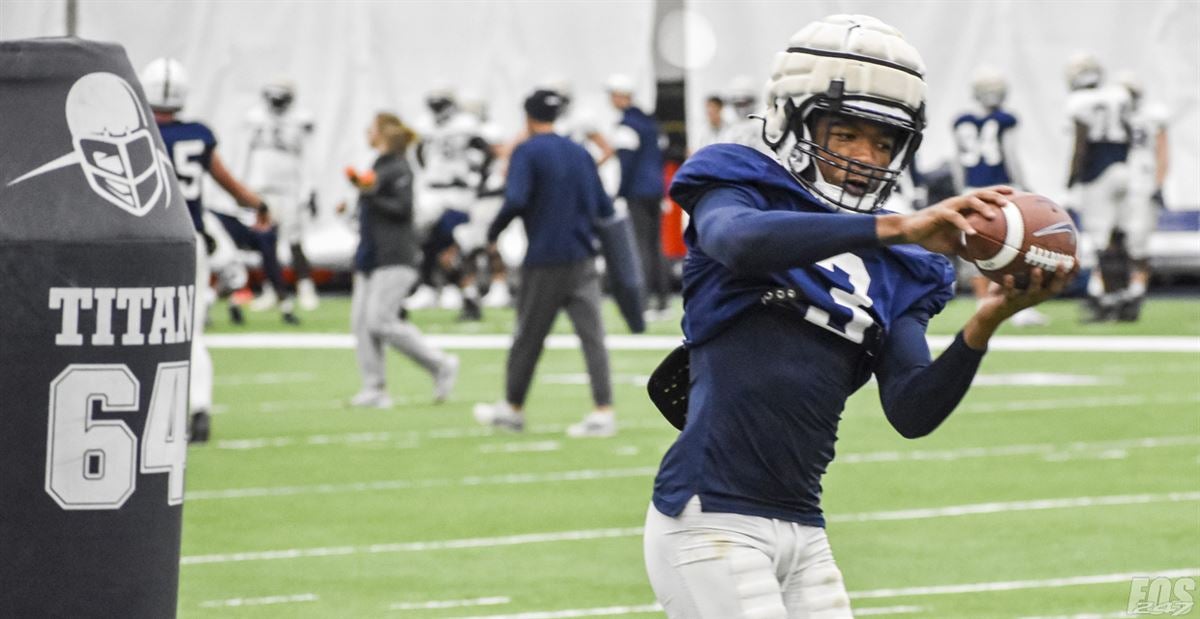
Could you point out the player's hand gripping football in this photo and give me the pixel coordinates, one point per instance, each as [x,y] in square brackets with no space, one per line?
[1007,299]
[939,227]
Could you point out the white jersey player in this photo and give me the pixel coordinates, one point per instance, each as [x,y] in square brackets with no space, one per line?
[1099,174]
[585,128]
[276,168]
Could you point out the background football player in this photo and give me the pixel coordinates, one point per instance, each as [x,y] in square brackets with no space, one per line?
[193,151]
[986,138]
[1099,177]
[742,100]
[1148,161]
[276,168]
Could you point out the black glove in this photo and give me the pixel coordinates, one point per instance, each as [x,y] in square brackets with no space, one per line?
[210,244]
[669,385]
[312,204]
[1157,199]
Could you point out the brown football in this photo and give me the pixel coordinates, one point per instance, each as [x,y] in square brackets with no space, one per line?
[1031,231]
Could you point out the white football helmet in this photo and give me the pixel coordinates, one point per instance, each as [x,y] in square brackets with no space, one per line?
[620,84]
[443,102]
[989,87]
[742,95]
[849,65]
[1084,71]
[166,84]
[279,95]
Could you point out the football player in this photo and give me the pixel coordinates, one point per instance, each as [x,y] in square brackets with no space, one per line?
[1099,178]
[794,296]
[1148,161]
[276,169]
[193,151]
[452,156]
[986,138]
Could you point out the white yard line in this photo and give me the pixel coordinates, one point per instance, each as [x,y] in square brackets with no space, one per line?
[440,604]
[592,534]
[1112,401]
[263,378]
[261,601]
[1046,343]
[1056,451]
[1016,585]
[606,611]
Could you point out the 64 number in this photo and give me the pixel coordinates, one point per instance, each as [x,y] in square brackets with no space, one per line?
[90,463]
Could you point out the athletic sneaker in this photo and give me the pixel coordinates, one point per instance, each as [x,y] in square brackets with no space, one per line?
[594,424]
[199,427]
[265,301]
[306,292]
[1029,317]
[371,399]
[498,295]
[499,415]
[423,298]
[444,379]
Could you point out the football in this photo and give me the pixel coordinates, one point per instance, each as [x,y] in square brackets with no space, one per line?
[1031,231]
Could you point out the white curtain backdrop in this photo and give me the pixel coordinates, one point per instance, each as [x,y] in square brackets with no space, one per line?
[351,59]
[1029,40]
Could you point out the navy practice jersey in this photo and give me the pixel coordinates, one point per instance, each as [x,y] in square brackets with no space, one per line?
[980,142]
[190,146]
[769,380]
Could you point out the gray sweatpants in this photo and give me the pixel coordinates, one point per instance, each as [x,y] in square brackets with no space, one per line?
[647,226]
[543,292]
[375,320]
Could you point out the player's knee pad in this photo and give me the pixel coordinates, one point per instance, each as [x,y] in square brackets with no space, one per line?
[824,592]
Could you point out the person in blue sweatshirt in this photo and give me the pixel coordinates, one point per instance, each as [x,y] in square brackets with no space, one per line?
[797,290]
[554,188]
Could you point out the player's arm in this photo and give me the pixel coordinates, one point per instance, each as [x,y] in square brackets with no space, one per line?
[1012,160]
[1078,153]
[733,231]
[1162,158]
[518,190]
[606,149]
[225,179]
[918,393]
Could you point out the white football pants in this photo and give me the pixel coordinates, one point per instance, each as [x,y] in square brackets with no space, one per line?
[1102,203]
[200,391]
[706,565]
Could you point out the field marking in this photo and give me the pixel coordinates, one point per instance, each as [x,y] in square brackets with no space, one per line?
[261,601]
[263,378]
[1016,585]
[642,609]
[1075,403]
[593,534]
[1116,615]
[520,447]
[440,604]
[1015,506]
[1047,450]
[498,341]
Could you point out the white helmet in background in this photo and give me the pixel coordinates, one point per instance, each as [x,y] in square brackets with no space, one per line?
[619,84]
[742,95]
[989,87]
[279,95]
[442,101]
[850,65]
[1084,71]
[166,84]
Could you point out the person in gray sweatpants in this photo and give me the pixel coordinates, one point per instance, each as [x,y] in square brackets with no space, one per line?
[554,188]
[385,270]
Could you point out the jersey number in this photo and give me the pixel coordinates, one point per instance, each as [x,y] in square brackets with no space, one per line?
[1106,122]
[90,463]
[855,300]
[188,168]
[977,144]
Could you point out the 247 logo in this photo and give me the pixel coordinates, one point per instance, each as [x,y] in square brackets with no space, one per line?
[1161,596]
[113,145]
